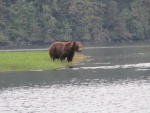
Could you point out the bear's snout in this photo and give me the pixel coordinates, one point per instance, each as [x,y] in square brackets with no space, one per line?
[79,50]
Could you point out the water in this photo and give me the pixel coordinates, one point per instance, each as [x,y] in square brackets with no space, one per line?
[112,79]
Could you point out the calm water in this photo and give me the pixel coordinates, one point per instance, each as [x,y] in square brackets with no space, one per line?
[113,79]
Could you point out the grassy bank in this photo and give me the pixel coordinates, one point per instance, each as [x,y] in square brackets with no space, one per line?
[25,61]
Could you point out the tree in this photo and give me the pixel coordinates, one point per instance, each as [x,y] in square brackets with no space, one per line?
[20,20]
[140,23]
[3,27]
[53,20]
[115,25]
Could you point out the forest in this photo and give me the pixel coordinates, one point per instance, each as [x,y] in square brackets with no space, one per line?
[26,21]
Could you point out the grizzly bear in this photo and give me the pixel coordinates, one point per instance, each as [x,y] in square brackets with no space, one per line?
[62,50]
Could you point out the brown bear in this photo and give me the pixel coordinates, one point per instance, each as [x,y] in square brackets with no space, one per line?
[62,50]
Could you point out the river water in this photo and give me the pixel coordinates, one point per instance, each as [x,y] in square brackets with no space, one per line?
[113,78]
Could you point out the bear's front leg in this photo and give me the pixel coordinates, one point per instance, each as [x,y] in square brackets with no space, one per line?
[62,56]
[70,58]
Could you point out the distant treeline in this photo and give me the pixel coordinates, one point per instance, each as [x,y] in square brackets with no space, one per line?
[85,20]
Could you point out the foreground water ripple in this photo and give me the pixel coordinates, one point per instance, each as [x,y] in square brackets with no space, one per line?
[97,96]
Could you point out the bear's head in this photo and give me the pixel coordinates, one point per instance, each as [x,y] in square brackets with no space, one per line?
[78,46]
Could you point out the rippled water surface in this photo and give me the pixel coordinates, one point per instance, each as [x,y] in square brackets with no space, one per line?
[112,79]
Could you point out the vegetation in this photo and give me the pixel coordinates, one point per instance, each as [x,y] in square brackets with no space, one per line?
[25,61]
[52,20]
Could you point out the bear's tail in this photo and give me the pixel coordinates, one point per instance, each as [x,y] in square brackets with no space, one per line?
[49,52]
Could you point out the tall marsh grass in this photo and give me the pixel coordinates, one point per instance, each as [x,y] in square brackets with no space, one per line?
[25,61]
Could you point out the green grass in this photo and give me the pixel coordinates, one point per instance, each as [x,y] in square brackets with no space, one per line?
[25,61]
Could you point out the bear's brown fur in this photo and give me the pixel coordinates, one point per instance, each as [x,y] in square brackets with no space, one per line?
[62,50]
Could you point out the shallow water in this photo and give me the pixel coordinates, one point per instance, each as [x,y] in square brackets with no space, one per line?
[112,79]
